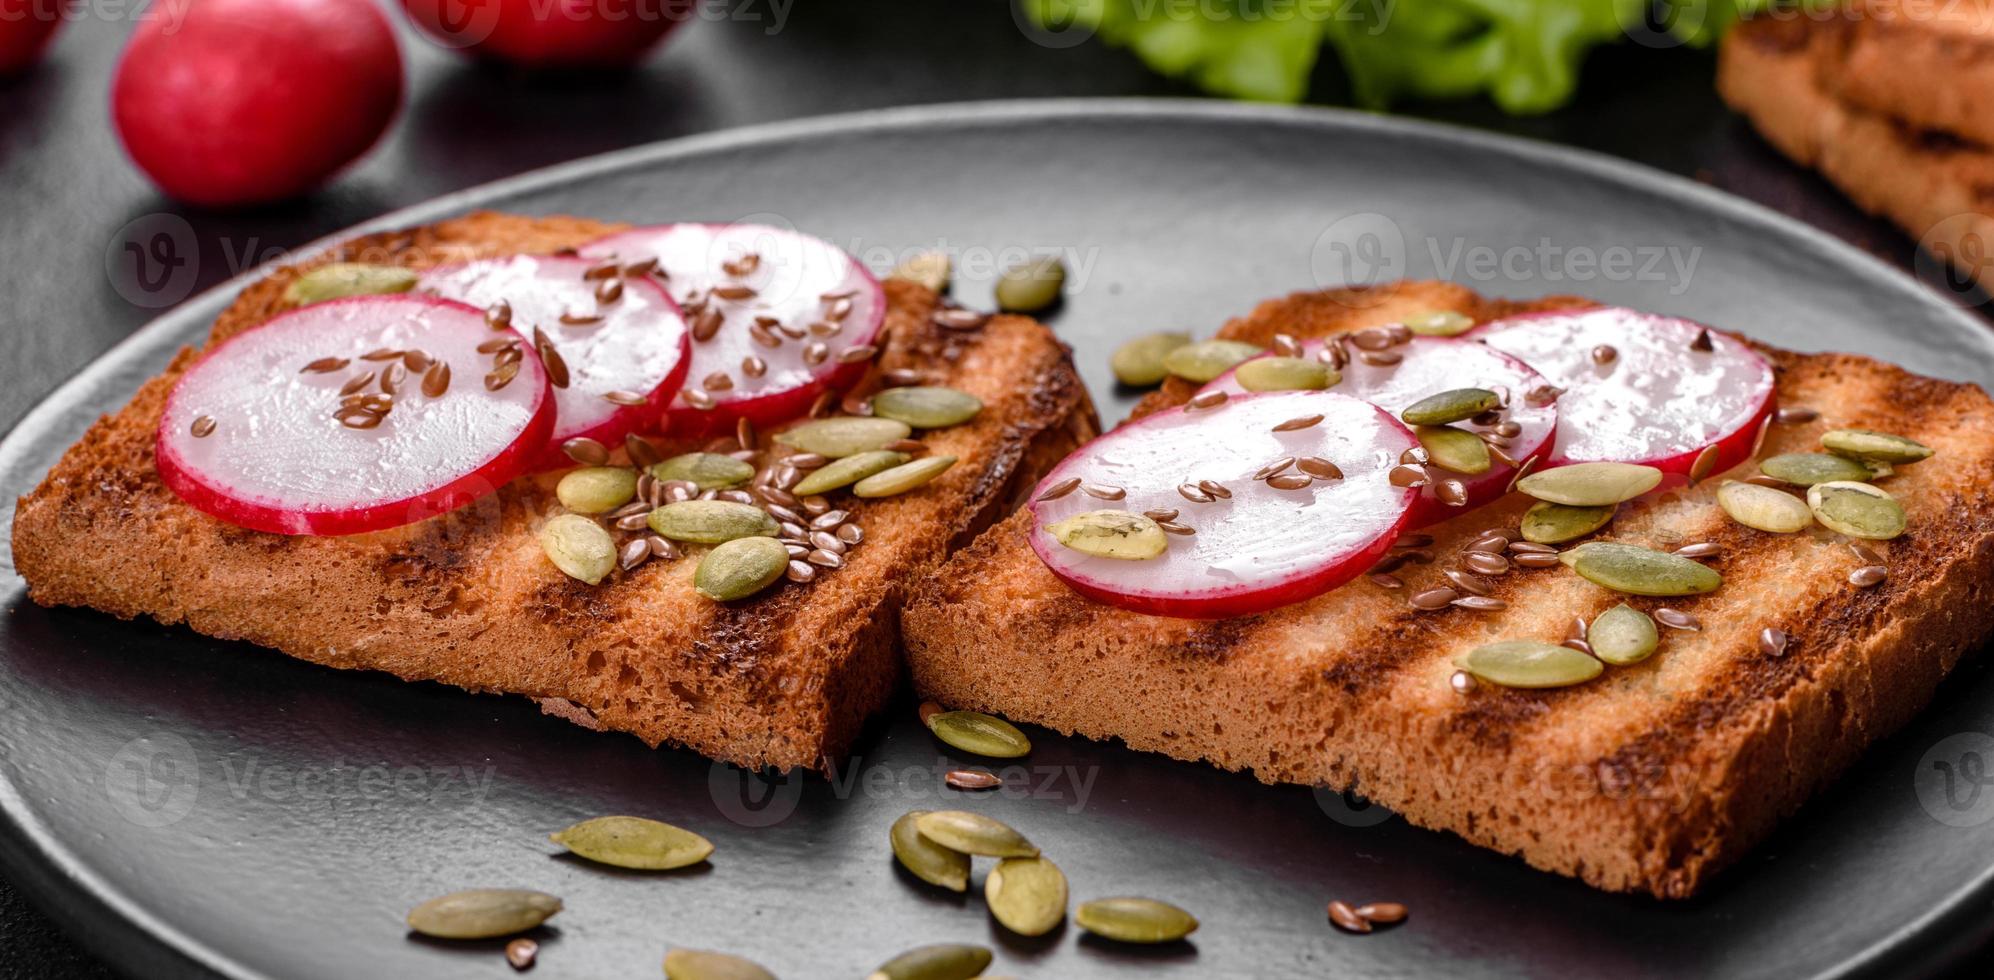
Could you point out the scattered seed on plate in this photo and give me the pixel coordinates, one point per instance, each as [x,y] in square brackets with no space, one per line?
[521,952]
[979,734]
[1347,919]
[974,833]
[1135,920]
[634,843]
[972,779]
[701,964]
[483,913]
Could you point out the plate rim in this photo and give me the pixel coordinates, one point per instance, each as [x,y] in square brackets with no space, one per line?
[126,934]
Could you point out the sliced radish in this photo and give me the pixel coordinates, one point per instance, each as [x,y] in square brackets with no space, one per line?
[624,358]
[1260,548]
[1643,388]
[777,317]
[260,431]
[1428,366]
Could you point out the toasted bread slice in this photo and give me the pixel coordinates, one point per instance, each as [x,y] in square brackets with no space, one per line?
[1930,65]
[1648,779]
[783,680]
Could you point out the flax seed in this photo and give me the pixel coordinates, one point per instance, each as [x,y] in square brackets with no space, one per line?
[1385,580]
[1193,493]
[798,571]
[1705,462]
[826,541]
[1604,354]
[717,381]
[959,319]
[850,534]
[436,380]
[633,553]
[498,316]
[1347,919]
[1407,477]
[1210,399]
[1772,641]
[573,319]
[1287,346]
[586,451]
[1319,468]
[609,291]
[1521,472]
[1432,599]
[1274,467]
[325,365]
[1486,563]
[1868,576]
[824,559]
[1215,489]
[1579,644]
[1796,415]
[1299,422]
[1701,549]
[1481,603]
[1103,491]
[857,355]
[1462,682]
[1469,582]
[972,779]
[697,399]
[1451,492]
[1676,619]
[1380,358]
[706,323]
[203,427]
[1536,559]
[1289,481]
[1531,548]
[1163,514]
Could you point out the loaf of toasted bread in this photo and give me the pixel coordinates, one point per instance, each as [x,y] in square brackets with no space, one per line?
[467,598]
[1927,63]
[1647,779]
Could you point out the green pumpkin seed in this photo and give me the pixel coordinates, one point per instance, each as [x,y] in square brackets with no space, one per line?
[1879,447]
[1285,374]
[1455,449]
[925,859]
[579,547]
[1111,534]
[1642,571]
[1451,406]
[1622,635]
[1548,523]
[1878,470]
[1529,663]
[948,961]
[634,842]
[1207,359]
[845,435]
[926,408]
[979,734]
[974,833]
[1857,510]
[1764,508]
[341,279]
[704,964]
[1440,323]
[712,521]
[597,489]
[845,472]
[1139,362]
[1591,484]
[1807,469]
[1031,286]
[1135,920]
[483,913]
[930,269]
[902,478]
[1027,895]
[709,471]
[740,568]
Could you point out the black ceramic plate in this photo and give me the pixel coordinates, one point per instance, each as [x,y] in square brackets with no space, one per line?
[196,806]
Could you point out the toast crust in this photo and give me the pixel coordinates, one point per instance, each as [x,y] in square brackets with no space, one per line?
[1649,779]
[466,598]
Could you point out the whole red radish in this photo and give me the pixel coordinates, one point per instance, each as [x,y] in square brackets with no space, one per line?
[25,29]
[226,102]
[551,33]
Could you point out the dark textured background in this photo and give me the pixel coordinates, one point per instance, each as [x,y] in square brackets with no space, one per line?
[67,194]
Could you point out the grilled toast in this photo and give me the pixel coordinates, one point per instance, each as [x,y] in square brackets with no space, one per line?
[467,598]
[1648,779]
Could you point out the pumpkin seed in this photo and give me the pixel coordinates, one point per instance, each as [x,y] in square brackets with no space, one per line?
[483,913]
[1878,470]
[1031,286]
[1285,374]
[1529,663]
[1440,323]
[1641,571]
[1454,449]
[1763,508]
[849,470]
[1027,895]
[704,964]
[712,521]
[974,833]
[1111,534]
[947,961]
[1622,635]
[1549,523]
[979,734]
[597,489]
[1591,484]
[902,478]
[1135,920]
[740,568]
[709,471]
[579,547]
[930,269]
[1878,447]
[845,435]
[1857,510]
[342,279]
[1207,359]
[1807,469]
[926,408]
[634,842]
[925,859]
[1139,362]
[1451,406]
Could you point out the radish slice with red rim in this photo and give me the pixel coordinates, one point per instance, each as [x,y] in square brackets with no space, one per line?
[624,357]
[253,432]
[1263,546]
[777,317]
[1428,366]
[1644,388]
